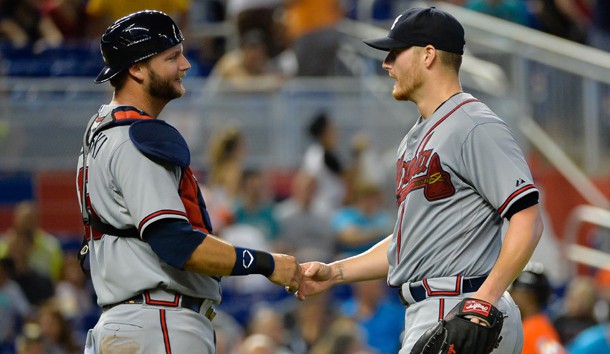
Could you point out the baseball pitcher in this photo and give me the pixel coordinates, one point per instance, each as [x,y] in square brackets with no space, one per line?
[460,175]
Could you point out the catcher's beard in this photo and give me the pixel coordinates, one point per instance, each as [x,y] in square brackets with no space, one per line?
[163,88]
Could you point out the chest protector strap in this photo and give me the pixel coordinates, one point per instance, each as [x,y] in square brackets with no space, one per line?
[123,115]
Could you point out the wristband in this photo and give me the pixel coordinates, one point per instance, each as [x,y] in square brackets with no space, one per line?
[249,261]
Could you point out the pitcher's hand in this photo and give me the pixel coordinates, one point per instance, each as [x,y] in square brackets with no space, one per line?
[317,277]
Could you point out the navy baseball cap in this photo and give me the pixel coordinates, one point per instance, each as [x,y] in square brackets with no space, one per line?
[420,27]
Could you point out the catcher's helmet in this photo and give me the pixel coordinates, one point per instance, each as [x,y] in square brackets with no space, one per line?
[136,37]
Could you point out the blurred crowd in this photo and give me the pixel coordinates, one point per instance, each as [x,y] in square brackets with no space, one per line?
[336,205]
[237,40]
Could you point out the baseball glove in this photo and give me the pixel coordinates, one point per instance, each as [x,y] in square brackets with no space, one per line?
[456,334]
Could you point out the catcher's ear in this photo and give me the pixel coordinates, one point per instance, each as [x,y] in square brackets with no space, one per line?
[137,72]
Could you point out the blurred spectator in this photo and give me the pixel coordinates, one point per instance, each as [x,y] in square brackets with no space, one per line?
[229,333]
[56,331]
[310,25]
[103,13]
[69,17]
[310,322]
[14,307]
[362,224]
[343,337]
[23,23]
[303,233]
[596,339]
[578,307]
[548,17]
[247,68]
[30,340]
[579,12]
[258,344]
[255,206]
[599,30]
[531,292]
[602,285]
[226,159]
[36,287]
[41,251]
[378,313]
[269,322]
[321,162]
[74,296]
[259,16]
[365,166]
[515,11]
[32,254]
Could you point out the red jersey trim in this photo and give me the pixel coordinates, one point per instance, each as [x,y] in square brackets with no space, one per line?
[450,113]
[457,291]
[164,329]
[441,309]
[150,301]
[159,213]
[514,196]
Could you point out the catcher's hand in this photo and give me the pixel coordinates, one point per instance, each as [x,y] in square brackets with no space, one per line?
[456,334]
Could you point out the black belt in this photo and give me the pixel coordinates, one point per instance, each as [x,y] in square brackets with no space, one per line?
[418,292]
[183,301]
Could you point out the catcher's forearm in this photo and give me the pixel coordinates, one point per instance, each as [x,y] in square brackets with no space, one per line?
[369,265]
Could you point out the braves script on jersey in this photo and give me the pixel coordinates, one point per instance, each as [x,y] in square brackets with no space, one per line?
[458,173]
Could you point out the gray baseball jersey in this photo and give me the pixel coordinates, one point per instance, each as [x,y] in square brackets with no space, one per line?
[458,172]
[126,189]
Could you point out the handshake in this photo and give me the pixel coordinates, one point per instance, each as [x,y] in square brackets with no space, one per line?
[304,279]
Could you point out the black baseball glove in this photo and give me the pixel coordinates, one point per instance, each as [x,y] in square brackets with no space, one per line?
[456,334]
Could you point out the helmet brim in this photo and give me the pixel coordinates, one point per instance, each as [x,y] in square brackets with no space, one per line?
[106,74]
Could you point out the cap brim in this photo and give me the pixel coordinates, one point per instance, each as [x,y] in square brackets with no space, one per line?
[385,43]
[106,74]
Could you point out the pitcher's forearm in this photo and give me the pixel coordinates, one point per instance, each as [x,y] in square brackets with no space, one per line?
[369,265]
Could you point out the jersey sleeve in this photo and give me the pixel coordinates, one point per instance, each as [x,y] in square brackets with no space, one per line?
[149,189]
[495,166]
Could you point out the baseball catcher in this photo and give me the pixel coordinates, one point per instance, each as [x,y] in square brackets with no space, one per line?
[457,334]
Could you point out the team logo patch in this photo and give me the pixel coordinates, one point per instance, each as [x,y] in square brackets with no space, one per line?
[436,182]
[477,306]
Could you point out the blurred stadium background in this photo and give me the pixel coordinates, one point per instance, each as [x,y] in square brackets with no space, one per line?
[555,94]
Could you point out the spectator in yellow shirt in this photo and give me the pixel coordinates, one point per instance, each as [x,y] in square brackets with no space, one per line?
[42,250]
